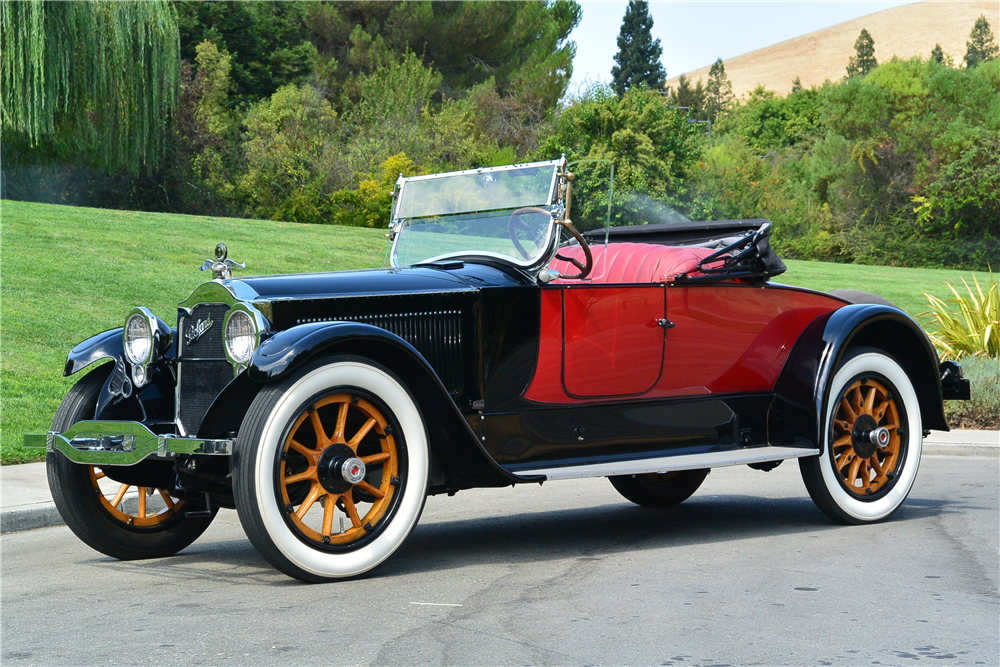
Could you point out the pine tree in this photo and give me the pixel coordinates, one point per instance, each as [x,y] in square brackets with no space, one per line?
[796,85]
[718,90]
[981,47]
[688,97]
[87,81]
[638,57]
[937,55]
[864,62]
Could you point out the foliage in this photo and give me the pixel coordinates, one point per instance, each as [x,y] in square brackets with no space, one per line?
[981,47]
[937,54]
[982,411]
[637,62]
[268,42]
[686,97]
[91,82]
[718,90]
[371,203]
[653,148]
[975,329]
[864,60]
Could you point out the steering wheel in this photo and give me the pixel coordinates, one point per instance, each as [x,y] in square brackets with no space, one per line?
[516,222]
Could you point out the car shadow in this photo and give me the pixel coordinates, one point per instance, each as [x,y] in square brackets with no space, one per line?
[584,533]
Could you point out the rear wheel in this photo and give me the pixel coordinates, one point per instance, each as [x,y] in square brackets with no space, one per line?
[659,489]
[131,521]
[331,469]
[873,439]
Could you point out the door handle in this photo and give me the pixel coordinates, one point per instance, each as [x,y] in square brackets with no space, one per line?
[665,323]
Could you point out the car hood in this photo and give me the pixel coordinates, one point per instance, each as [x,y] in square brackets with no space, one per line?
[415,280]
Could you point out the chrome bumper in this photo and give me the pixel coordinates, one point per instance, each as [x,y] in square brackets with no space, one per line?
[121,443]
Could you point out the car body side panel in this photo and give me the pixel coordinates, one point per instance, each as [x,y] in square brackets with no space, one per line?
[726,338]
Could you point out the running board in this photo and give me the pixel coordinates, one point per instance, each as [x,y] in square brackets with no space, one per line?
[671,463]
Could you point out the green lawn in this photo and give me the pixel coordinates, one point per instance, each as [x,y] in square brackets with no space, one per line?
[68,273]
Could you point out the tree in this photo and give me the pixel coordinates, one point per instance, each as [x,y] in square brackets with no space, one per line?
[718,90]
[638,57]
[937,55]
[91,82]
[692,99]
[981,47]
[797,85]
[863,61]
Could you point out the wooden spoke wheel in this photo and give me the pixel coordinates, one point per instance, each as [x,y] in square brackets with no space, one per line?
[872,442]
[320,454]
[866,466]
[145,514]
[115,526]
[331,469]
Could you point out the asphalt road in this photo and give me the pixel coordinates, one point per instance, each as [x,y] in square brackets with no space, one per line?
[745,572]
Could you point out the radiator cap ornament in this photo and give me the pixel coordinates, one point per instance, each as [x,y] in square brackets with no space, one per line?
[221,266]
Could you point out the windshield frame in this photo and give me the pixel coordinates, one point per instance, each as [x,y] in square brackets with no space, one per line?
[553,206]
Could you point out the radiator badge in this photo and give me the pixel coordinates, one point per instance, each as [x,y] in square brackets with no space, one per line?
[198,330]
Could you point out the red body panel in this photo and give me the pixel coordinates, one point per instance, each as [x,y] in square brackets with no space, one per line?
[727,338]
[615,330]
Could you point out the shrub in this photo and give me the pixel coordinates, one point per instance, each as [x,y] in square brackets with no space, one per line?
[983,410]
[975,329]
[370,204]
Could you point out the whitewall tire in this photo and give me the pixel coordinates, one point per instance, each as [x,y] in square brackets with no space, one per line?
[331,469]
[863,475]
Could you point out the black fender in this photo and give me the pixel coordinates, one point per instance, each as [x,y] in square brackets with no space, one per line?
[105,345]
[118,399]
[804,382]
[454,445]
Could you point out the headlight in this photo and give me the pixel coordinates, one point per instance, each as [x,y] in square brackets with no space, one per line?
[138,338]
[241,336]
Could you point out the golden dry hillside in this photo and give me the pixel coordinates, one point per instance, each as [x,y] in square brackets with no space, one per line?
[906,31]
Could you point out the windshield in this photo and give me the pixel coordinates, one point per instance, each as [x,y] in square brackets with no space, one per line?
[502,212]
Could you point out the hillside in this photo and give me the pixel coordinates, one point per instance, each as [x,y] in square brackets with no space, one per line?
[906,31]
[69,273]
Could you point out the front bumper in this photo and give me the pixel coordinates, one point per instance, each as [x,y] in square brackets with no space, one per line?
[122,443]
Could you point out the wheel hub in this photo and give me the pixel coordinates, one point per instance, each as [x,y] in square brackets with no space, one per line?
[861,434]
[339,469]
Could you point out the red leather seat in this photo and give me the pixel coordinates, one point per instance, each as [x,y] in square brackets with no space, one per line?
[634,262]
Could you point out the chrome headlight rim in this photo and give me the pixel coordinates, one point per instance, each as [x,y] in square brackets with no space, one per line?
[144,316]
[259,325]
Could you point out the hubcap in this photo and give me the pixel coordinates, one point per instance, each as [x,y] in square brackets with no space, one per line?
[867,437]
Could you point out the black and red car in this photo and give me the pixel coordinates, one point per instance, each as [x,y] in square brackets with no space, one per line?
[491,352]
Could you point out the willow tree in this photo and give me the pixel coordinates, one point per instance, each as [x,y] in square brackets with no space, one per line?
[87,82]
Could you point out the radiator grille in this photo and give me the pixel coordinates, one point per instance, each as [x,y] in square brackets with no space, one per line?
[437,335]
[203,370]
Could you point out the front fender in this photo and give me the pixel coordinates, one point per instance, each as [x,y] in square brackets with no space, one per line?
[105,345]
[804,383]
[465,462]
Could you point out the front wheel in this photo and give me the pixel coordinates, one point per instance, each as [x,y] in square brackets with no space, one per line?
[331,469]
[873,438]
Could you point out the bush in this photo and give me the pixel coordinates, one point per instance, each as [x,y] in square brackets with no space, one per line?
[370,205]
[983,411]
[975,329]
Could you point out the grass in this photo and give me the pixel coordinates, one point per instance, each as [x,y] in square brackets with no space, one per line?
[68,273]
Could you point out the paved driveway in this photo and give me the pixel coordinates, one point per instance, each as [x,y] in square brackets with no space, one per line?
[746,572]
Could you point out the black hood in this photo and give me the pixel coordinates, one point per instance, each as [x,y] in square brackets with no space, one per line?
[356,283]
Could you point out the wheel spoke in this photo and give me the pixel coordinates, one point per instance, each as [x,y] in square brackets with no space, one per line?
[856,405]
[844,441]
[865,474]
[99,475]
[328,506]
[844,459]
[338,434]
[118,496]
[314,494]
[362,432]
[310,473]
[880,412]
[352,511]
[375,458]
[852,473]
[365,486]
[852,416]
[142,502]
[167,500]
[870,402]
[302,449]
[322,441]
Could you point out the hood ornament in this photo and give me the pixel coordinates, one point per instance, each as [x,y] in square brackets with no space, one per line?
[221,266]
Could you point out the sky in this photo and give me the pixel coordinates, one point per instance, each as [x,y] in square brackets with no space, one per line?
[694,34]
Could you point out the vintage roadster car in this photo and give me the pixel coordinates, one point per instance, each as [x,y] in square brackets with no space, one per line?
[500,346]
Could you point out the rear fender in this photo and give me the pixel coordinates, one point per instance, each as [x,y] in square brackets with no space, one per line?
[804,383]
[463,459]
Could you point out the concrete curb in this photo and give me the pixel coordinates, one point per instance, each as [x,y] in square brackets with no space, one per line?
[982,451]
[45,515]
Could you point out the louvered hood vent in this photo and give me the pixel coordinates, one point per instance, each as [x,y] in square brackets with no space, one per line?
[437,335]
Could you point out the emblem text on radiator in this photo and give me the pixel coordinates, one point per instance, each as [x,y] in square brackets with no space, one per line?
[198,330]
